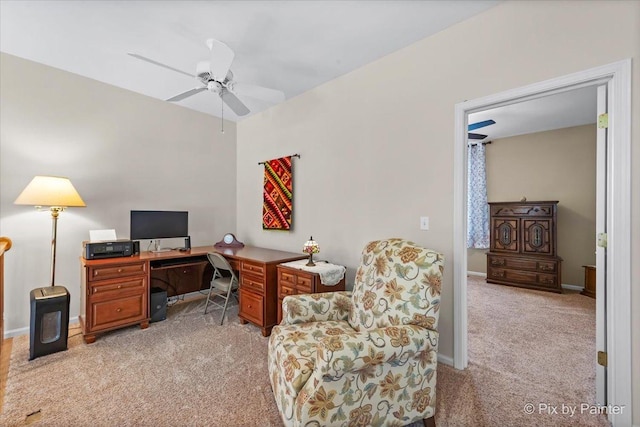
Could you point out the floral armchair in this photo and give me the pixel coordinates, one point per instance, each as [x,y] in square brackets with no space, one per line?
[366,357]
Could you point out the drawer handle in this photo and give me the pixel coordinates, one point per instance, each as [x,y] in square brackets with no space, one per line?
[185,271]
[497,262]
[119,286]
[498,273]
[549,281]
[546,268]
[119,270]
[249,306]
[118,309]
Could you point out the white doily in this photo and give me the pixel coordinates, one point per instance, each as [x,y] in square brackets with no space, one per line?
[330,274]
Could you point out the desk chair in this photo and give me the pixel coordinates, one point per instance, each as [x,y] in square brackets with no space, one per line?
[221,286]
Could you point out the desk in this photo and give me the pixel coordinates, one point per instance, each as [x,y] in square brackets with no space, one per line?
[115,291]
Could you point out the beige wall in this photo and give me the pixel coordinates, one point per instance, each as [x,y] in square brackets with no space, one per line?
[376,144]
[121,150]
[554,165]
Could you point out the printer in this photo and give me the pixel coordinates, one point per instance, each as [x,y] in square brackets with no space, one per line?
[107,249]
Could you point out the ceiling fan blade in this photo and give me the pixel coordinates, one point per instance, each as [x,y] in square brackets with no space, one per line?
[186,94]
[221,59]
[159,64]
[262,93]
[474,126]
[476,136]
[233,102]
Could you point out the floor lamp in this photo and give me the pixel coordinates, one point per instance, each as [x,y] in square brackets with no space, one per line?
[49,326]
[56,194]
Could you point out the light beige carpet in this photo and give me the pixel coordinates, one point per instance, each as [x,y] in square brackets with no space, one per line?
[189,370]
[528,347]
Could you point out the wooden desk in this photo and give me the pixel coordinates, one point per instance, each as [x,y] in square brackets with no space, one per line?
[115,291]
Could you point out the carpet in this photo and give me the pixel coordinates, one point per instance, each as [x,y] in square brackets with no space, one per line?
[528,347]
[187,370]
[524,346]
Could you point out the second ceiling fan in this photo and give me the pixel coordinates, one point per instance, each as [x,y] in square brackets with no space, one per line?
[215,76]
[478,125]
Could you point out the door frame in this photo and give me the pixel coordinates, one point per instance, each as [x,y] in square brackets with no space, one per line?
[618,268]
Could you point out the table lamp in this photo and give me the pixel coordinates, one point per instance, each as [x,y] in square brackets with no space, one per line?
[311,247]
[56,194]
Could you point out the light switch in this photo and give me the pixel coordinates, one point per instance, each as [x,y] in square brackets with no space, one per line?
[424,223]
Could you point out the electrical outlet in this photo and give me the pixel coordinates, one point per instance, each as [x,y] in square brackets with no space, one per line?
[424,223]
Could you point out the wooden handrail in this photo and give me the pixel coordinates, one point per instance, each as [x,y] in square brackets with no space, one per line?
[5,245]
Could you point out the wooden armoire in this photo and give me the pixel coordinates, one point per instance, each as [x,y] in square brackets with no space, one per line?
[523,249]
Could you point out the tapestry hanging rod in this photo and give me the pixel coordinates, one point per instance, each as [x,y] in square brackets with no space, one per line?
[479,142]
[293,155]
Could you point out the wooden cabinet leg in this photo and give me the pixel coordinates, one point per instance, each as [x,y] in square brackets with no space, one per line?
[243,322]
[266,331]
[429,422]
[89,338]
[144,325]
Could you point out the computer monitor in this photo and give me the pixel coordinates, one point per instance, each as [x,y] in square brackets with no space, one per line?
[159,225]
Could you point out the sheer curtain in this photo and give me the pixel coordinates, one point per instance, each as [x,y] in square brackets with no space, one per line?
[478,210]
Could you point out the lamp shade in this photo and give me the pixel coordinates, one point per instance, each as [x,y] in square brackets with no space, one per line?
[311,246]
[50,191]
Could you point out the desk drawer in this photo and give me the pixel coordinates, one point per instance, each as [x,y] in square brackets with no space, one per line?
[110,313]
[284,290]
[113,271]
[304,285]
[254,268]
[114,289]
[251,306]
[251,282]
[286,278]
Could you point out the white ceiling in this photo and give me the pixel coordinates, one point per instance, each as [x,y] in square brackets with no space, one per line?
[291,46]
[573,108]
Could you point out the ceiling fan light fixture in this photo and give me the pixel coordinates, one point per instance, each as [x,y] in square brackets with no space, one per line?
[215,76]
[214,87]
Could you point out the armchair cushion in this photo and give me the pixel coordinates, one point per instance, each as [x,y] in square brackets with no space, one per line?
[316,307]
[397,283]
[294,348]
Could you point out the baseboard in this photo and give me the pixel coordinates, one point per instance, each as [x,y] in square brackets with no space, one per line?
[25,331]
[476,273]
[445,360]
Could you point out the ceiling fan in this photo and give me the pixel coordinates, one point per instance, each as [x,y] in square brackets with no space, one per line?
[478,125]
[215,76]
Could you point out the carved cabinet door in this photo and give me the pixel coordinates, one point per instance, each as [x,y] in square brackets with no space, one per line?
[504,235]
[537,236]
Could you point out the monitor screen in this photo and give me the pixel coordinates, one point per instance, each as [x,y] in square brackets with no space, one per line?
[159,224]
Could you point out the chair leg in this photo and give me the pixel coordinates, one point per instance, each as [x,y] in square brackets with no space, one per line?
[208,296]
[226,301]
[429,422]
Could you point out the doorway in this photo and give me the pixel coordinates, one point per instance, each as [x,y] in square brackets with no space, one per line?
[618,216]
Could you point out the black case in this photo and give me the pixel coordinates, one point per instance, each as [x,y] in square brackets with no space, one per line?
[49,320]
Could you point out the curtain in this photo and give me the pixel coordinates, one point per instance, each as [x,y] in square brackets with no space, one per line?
[478,210]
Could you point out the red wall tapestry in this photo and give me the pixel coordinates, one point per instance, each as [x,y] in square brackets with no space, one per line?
[278,194]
